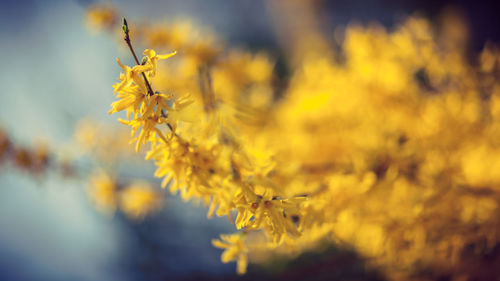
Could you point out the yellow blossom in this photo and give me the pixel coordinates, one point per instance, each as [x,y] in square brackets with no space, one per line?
[132,75]
[374,151]
[234,250]
[153,59]
[102,192]
[139,199]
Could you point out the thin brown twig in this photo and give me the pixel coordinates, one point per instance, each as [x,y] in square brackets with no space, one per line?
[126,30]
[129,44]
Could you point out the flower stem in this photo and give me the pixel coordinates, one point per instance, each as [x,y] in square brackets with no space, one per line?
[129,44]
[126,30]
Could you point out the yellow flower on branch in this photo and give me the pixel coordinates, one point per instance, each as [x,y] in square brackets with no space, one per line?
[148,126]
[235,249]
[131,99]
[102,191]
[272,214]
[139,199]
[153,59]
[132,75]
[375,142]
[100,17]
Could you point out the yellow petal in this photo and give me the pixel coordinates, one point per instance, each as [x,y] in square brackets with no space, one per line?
[229,255]
[161,57]
[219,244]
[142,68]
[124,67]
[242,263]
[149,53]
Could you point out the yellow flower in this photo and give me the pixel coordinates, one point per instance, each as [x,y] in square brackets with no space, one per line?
[139,199]
[100,16]
[235,249]
[148,126]
[153,58]
[132,75]
[374,141]
[157,105]
[102,192]
[271,213]
[131,99]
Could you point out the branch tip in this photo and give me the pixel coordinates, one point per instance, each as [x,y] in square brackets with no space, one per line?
[125,26]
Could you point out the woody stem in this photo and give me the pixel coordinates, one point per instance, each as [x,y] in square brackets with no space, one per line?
[129,44]
[126,30]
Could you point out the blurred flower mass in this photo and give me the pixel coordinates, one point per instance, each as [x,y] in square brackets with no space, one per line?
[363,152]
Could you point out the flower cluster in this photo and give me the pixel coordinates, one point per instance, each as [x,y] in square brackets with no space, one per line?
[136,199]
[391,149]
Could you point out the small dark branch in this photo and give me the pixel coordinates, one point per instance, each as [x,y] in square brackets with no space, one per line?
[165,115]
[126,30]
[235,171]
[170,127]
